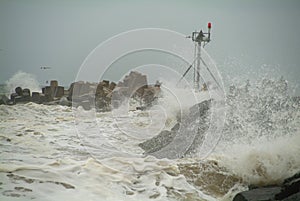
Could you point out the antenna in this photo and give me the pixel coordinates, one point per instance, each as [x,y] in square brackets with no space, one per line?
[199,38]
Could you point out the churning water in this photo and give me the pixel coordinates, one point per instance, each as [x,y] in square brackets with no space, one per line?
[44,158]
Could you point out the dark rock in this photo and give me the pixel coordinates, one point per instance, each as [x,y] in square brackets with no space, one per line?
[36,97]
[54,102]
[112,86]
[290,186]
[19,91]
[103,95]
[81,88]
[294,197]
[10,102]
[149,95]
[140,91]
[3,100]
[292,179]
[59,91]
[22,99]
[133,81]
[134,86]
[90,95]
[184,138]
[141,108]
[44,98]
[156,143]
[70,91]
[40,98]
[53,92]
[26,92]
[53,83]
[100,91]
[105,83]
[288,191]
[103,89]
[175,128]
[47,91]
[103,104]
[259,194]
[13,96]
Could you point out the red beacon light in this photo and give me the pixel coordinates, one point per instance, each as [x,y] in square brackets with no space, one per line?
[209,25]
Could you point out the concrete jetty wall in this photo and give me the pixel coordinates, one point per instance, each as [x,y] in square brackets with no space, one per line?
[103,96]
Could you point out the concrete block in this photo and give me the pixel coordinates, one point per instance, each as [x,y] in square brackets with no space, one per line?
[53,83]
[19,91]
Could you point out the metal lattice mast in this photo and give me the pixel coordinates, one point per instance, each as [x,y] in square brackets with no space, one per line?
[199,38]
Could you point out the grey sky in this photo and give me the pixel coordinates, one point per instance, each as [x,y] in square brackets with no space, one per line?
[61,33]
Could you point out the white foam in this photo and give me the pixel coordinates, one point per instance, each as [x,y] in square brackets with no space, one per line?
[264,161]
[23,80]
[45,146]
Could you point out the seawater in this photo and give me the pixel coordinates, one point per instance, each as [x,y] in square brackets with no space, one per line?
[47,154]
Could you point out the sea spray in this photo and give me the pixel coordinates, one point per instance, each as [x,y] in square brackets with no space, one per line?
[45,149]
[263,162]
[23,80]
[263,109]
[176,101]
[261,138]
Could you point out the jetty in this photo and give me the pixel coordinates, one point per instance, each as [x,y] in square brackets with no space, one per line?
[103,95]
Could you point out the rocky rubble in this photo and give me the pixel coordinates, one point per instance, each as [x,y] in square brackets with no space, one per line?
[4,100]
[184,138]
[289,190]
[135,86]
[103,96]
[49,95]
[106,95]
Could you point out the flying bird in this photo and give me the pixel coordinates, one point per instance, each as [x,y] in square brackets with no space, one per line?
[45,67]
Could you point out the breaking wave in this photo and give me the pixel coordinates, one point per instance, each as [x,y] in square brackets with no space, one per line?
[259,146]
[24,80]
[261,137]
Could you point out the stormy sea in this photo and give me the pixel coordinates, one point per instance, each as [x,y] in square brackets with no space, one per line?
[56,152]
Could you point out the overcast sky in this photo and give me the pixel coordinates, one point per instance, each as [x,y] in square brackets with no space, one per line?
[248,36]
